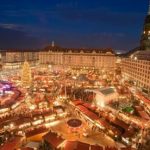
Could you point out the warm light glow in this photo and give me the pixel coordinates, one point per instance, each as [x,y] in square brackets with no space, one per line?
[11,125]
[50,118]
[135,58]
[4,110]
[37,122]
[52,124]
[24,125]
[32,107]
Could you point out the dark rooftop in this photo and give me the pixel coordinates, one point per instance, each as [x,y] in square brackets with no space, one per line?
[142,55]
[107,91]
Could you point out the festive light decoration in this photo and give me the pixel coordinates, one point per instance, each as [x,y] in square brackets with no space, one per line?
[26,78]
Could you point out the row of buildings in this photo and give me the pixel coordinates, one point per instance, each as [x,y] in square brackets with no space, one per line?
[135,65]
[97,58]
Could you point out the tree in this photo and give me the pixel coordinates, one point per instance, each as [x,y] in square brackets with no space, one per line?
[26,78]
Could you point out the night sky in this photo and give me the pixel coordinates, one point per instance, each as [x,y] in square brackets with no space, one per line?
[113,24]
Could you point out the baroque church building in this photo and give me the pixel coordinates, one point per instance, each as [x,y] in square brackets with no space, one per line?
[136,65]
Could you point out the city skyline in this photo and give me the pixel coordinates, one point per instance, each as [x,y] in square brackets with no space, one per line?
[100,24]
[74,75]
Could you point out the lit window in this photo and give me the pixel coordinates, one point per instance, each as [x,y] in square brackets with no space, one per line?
[135,58]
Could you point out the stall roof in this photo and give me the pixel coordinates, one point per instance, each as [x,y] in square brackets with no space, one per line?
[76,145]
[12,144]
[53,139]
[144,115]
[36,131]
[87,112]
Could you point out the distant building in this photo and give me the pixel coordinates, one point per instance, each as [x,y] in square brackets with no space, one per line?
[97,58]
[15,58]
[137,69]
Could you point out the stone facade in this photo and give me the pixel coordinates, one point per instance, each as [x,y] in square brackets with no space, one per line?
[138,71]
[98,59]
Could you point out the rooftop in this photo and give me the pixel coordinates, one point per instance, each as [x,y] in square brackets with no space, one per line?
[142,55]
[77,50]
[107,91]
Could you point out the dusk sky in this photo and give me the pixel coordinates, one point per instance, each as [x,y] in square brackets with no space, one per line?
[31,24]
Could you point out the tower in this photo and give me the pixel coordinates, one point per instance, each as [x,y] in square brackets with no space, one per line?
[26,75]
[145,38]
[53,43]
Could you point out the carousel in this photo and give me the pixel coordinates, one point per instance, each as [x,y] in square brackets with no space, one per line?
[74,125]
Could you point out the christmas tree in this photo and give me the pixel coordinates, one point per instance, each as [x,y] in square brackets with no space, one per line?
[26,75]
